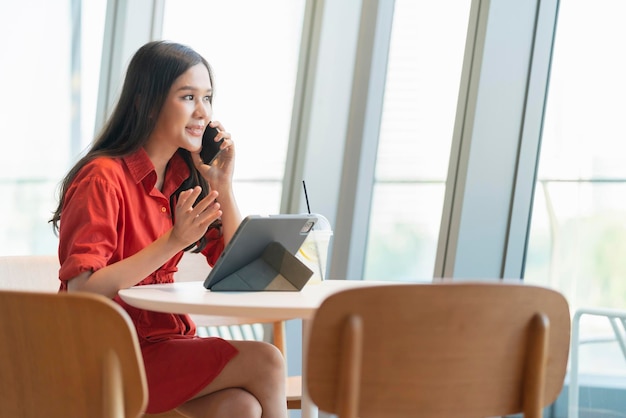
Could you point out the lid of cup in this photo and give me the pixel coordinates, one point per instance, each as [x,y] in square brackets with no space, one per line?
[322,223]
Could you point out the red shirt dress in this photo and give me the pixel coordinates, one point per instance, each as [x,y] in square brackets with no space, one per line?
[111,211]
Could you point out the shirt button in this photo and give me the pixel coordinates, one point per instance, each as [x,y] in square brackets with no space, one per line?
[163,209]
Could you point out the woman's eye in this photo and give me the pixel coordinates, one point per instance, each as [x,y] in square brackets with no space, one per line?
[207,98]
[188,97]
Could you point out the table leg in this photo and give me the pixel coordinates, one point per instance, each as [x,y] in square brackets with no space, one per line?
[309,409]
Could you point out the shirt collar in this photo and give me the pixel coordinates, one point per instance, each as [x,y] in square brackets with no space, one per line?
[142,171]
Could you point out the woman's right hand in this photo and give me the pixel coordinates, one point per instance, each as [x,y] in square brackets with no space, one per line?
[191,222]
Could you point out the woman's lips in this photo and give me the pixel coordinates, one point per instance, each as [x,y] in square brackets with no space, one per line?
[195,130]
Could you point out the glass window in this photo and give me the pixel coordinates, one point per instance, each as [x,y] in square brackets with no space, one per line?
[423,76]
[253,47]
[49,80]
[577,240]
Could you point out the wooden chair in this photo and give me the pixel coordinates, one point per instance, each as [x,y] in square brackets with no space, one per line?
[439,350]
[68,355]
[40,273]
[34,273]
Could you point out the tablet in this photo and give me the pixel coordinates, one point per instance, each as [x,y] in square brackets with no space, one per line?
[254,235]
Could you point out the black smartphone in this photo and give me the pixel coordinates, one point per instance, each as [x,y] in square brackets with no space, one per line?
[210,148]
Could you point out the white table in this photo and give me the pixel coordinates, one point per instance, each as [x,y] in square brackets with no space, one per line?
[193,298]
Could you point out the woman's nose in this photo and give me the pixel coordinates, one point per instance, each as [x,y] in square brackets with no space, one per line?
[203,110]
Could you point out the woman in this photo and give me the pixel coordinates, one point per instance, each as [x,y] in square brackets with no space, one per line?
[127,210]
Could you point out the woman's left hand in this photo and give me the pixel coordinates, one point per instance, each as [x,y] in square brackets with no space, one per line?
[220,173]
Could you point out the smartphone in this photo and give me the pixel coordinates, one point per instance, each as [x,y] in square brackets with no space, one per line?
[210,148]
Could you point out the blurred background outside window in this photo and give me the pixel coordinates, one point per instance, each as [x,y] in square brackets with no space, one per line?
[578,233]
[254,56]
[49,82]
[419,109]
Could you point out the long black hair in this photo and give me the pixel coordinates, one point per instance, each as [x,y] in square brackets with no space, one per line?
[150,75]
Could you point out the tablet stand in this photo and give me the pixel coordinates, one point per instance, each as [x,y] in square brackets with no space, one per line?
[276,269]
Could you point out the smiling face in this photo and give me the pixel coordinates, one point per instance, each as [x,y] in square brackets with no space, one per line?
[185,113]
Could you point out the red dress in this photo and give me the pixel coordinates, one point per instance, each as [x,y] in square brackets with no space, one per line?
[111,211]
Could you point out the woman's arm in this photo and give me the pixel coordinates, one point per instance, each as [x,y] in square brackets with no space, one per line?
[191,224]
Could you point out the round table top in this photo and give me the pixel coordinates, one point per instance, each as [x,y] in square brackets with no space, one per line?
[194,298]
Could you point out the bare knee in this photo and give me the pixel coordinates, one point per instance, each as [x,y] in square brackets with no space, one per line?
[267,360]
[227,403]
[272,355]
[257,355]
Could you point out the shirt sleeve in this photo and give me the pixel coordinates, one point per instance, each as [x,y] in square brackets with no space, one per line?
[214,246]
[87,233]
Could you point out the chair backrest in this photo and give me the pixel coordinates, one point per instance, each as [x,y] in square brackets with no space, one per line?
[68,355]
[39,273]
[439,350]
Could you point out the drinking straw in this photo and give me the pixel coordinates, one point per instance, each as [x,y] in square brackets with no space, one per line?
[306,197]
[317,249]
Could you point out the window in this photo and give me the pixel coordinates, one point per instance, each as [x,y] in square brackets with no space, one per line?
[49,80]
[253,48]
[578,231]
[423,76]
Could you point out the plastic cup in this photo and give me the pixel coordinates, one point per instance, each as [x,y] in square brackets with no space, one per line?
[314,251]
